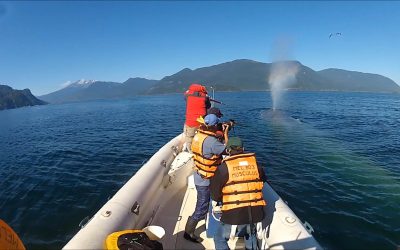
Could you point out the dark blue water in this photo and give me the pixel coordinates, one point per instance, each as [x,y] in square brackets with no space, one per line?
[334,157]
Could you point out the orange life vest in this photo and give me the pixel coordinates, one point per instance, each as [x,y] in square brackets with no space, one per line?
[206,167]
[196,97]
[244,185]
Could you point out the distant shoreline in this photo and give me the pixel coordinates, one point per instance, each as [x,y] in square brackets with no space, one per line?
[288,90]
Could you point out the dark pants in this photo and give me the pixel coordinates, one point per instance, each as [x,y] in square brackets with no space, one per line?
[203,201]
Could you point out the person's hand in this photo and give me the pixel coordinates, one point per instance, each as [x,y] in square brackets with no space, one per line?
[225,126]
[232,123]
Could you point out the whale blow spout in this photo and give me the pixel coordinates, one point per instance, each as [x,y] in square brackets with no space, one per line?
[283,74]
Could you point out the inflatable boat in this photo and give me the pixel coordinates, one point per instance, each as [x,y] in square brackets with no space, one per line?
[162,193]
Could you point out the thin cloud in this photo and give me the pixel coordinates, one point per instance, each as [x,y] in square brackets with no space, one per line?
[65,84]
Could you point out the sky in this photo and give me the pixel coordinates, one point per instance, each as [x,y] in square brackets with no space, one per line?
[44,45]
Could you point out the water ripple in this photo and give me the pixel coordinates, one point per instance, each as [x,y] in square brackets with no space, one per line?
[334,157]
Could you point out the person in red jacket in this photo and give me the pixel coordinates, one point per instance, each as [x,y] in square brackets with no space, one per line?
[197,103]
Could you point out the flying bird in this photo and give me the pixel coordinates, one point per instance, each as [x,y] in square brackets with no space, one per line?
[335,34]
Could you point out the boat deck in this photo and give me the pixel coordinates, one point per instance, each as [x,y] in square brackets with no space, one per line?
[164,191]
[173,219]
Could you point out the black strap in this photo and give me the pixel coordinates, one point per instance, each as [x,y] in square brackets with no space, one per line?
[209,159]
[208,165]
[240,182]
[245,201]
[243,192]
[208,171]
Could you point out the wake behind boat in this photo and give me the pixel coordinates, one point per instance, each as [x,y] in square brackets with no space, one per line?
[163,193]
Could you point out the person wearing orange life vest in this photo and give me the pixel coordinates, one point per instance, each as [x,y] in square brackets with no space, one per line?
[197,103]
[238,183]
[207,149]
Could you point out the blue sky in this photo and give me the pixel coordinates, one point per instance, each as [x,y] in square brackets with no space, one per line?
[46,44]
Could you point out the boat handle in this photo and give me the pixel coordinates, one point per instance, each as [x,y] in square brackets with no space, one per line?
[135,208]
[308,227]
[84,221]
[175,150]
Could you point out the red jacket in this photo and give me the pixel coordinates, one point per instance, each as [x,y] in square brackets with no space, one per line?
[197,104]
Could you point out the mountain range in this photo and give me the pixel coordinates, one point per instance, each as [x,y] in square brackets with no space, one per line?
[237,75]
[11,98]
[240,75]
[84,90]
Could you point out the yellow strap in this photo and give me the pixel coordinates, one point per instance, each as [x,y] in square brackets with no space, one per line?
[201,120]
[111,242]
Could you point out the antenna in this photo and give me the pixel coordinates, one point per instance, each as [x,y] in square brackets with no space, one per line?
[212,103]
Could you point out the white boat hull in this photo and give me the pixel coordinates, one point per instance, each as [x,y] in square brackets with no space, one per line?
[154,196]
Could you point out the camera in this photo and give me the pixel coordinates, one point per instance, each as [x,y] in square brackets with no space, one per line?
[231,123]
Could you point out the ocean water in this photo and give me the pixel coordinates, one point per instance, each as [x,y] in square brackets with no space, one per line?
[334,157]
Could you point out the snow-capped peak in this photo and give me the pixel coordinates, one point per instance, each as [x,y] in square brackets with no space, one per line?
[82,83]
[85,82]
